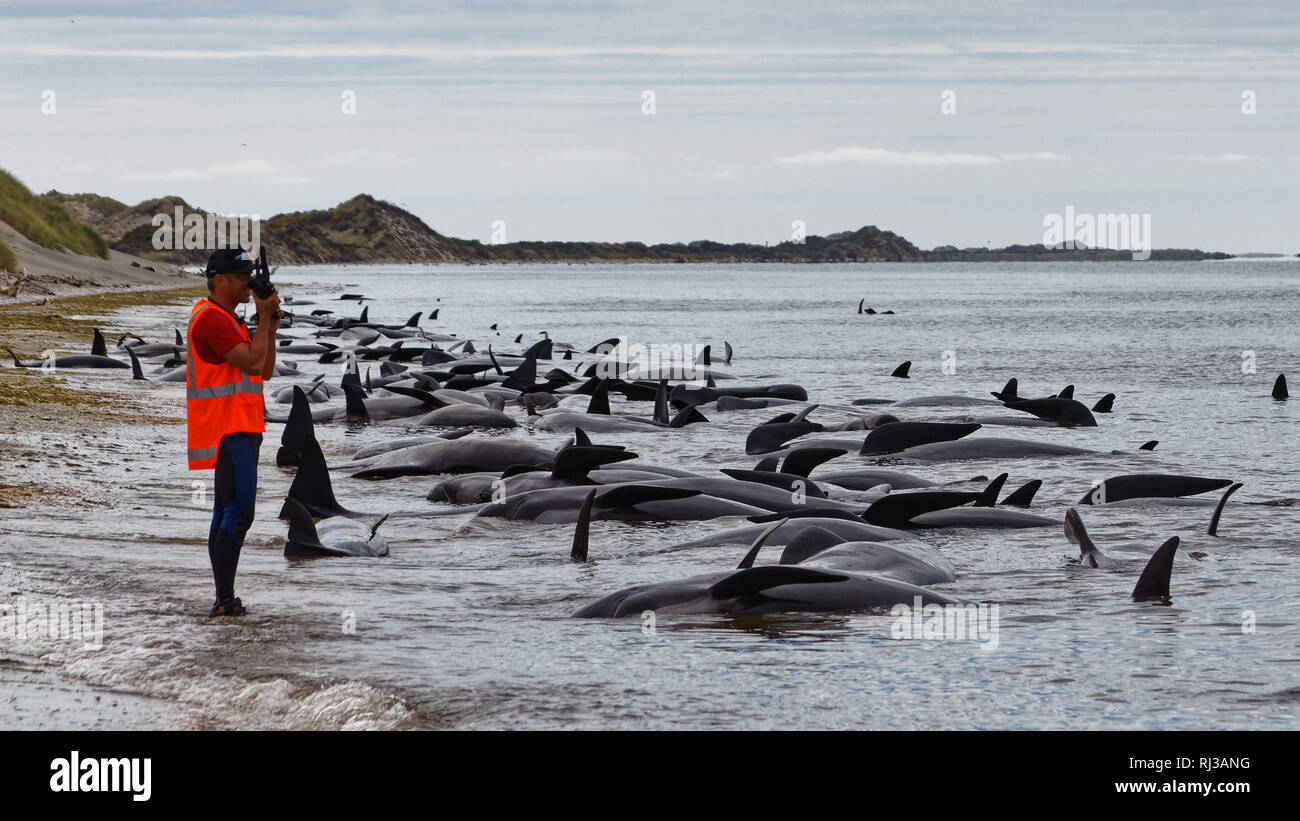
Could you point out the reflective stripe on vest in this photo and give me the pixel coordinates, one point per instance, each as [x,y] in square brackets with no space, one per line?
[220,399]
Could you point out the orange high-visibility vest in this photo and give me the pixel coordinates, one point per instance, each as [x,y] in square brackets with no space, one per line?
[219,399]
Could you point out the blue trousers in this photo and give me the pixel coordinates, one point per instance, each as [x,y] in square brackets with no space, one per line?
[234,499]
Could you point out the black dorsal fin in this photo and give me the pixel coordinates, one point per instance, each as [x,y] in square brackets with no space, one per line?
[688,415]
[356,405]
[1024,495]
[311,486]
[757,545]
[582,529]
[524,376]
[1149,445]
[901,370]
[497,365]
[1154,581]
[414,321]
[97,347]
[1066,393]
[806,512]
[730,352]
[599,403]
[808,543]
[515,470]
[136,373]
[661,403]
[768,463]
[1218,510]
[861,302]
[801,461]
[1279,387]
[580,438]
[1008,392]
[989,497]
[706,356]
[180,340]
[757,579]
[296,431]
[417,393]
[1106,404]
[303,538]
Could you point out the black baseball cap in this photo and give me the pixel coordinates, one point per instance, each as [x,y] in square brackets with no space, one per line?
[229,261]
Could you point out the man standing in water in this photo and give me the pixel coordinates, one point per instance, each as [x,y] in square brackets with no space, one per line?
[225,413]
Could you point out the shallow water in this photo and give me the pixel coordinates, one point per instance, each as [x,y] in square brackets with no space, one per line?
[467,624]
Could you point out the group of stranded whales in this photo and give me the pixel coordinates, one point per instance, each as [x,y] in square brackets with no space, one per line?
[850,525]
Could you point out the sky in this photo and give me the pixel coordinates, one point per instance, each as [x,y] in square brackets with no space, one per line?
[947,123]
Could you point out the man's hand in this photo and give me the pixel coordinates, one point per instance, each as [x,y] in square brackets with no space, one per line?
[268,310]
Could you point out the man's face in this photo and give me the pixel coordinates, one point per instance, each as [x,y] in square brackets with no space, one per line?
[237,286]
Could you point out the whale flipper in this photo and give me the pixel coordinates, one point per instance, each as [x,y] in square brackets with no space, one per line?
[1218,510]
[898,509]
[1025,494]
[1154,581]
[303,538]
[1105,404]
[574,463]
[1279,387]
[861,302]
[748,561]
[901,370]
[1078,535]
[688,415]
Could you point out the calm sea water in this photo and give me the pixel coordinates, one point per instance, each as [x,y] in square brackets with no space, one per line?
[467,624]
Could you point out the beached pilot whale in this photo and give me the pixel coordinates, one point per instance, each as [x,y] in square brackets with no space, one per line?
[335,536]
[766,589]
[97,358]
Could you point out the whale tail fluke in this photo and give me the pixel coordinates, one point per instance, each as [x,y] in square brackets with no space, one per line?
[989,497]
[582,529]
[1154,581]
[1218,510]
[748,561]
[1279,387]
[1024,495]
[901,370]
[1105,404]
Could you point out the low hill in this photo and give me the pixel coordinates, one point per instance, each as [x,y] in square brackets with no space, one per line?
[43,221]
